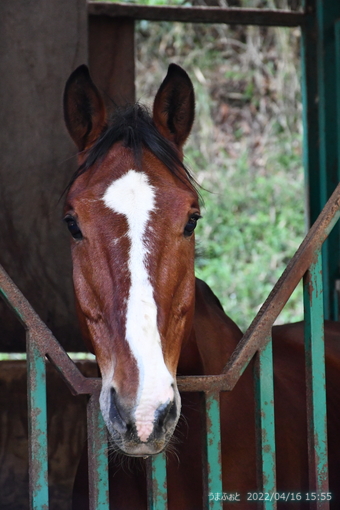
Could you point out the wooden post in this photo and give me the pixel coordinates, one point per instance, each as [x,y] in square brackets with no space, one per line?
[111,58]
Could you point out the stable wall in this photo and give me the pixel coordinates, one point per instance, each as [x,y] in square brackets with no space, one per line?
[41,43]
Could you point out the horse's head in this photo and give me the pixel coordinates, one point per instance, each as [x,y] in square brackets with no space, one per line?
[131,209]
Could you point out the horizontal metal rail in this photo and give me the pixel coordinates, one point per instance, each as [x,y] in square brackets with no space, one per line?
[229,16]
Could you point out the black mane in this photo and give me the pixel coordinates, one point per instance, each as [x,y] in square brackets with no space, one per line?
[133,125]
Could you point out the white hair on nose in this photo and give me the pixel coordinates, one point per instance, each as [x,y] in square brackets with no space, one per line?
[133,196]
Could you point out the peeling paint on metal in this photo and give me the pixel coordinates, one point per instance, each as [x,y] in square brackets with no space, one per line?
[315,378]
[265,428]
[97,455]
[37,424]
[213,448]
[157,483]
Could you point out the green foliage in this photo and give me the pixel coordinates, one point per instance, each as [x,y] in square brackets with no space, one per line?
[245,150]
[251,226]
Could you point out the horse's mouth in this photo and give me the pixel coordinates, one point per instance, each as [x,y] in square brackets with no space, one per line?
[133,447]
[142,452]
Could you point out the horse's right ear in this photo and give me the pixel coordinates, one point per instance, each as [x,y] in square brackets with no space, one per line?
[84,110]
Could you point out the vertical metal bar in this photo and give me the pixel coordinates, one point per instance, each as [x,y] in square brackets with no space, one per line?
[316,381]
[157,485]
[265,426]
[327,11]
[97,454]
[337,61]
[310,119]
[336,310]
[37,427]
[212,484]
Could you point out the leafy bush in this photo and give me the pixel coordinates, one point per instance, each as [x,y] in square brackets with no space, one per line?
[245,150]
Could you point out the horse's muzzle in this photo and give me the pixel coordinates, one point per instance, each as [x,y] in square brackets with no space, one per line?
[123,429]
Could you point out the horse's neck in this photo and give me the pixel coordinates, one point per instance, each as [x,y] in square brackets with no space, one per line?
[213,337]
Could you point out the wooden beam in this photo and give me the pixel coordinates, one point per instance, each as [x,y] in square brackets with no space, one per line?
[111,58]
[230,16]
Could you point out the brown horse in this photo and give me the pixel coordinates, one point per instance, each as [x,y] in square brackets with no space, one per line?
[131,209]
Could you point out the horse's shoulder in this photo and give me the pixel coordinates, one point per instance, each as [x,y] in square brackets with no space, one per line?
[208,308]
[289,338]
[204,294]
[216,335]
[294,333]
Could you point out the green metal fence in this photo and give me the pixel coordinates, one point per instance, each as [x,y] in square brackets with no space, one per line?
[256,342]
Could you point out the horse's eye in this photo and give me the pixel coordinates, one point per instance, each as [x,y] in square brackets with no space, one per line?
[191,225]
[72,225]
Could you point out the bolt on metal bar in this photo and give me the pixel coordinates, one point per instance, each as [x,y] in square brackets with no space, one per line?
[265,427]
[316,382]
[37,427]
[97,455]
[156,482]
[212,458]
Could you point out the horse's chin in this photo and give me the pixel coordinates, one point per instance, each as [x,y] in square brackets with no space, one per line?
[141,449]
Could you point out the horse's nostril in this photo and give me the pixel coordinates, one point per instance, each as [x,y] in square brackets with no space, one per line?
[165,414]
[116,414]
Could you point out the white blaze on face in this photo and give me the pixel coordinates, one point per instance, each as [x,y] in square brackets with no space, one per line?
[133,196]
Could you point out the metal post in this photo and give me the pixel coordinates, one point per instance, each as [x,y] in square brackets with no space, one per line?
[326,13]
[321,98]
[97,454]
[309,90]
[37,427]
[157,486]
[316,382]
[212,484]
[265,428]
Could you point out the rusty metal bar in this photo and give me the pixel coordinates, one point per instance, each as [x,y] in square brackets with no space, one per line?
[327,11]
[316,383]
[212,484]
[97,455]
[45,342]
[337,60]
[257,334]
[230,16]
[157,482]
[265,427]
[37,427]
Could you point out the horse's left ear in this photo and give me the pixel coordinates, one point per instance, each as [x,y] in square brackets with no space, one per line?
[84,110]
[174,106]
